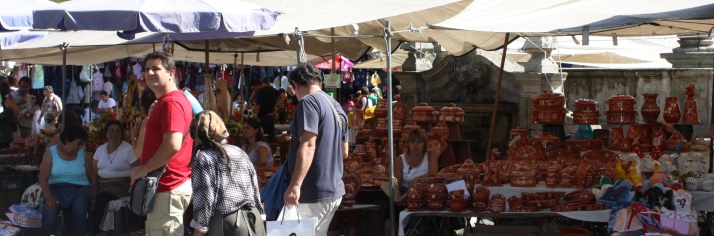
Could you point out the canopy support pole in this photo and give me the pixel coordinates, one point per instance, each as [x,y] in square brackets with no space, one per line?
[207,67]
[64,47]
[241,80]
[390,127]
[235,75]
[498,94]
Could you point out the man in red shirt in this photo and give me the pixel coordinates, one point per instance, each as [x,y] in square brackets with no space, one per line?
[166,127]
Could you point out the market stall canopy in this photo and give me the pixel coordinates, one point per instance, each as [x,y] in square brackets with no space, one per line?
[398,58]
[572,17]
[17,14]
[135,16]
[343,64]
[88,47]
[14,37]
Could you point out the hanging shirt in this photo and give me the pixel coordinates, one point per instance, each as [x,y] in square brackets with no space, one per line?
[348,77]
[108,88]
[38,79]
[97,82]
[137,71]
[376,80]
[280,82]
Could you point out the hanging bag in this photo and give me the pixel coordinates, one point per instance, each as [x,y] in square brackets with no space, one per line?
[297,227]
[273,192]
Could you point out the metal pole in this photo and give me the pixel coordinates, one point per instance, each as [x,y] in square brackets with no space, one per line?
[235,75]
[63,47]
[334,48]
[498,94]
[390,126]
[242,85]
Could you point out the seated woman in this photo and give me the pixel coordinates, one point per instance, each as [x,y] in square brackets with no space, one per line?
[256,146]
[417,162]
[71,119]
[68,181]
[113,162]
[8,120]
[226,199]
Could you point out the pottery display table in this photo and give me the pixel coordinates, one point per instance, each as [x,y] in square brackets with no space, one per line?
[347,220]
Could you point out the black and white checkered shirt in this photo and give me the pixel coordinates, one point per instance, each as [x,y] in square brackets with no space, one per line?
[218,192]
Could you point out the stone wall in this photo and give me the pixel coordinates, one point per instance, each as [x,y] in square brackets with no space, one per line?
[601,84]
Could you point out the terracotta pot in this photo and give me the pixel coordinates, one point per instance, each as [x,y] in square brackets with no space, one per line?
[691,114]
[546,140]
[408,128]
[578,144]
[423,113]
[548,99]
[481,194]
[457,194]
[415,192]
[515,204]
[523,178]
[479,206]
[365,131]
[436,205]
[451,114]
[621,102]
[657,136]
[415,205]
[381,110]
[586,117]
[621,117]
[586,105]
[519,132]
[457,205]
[618,136]
[650,109]
[360,153]
[397,129]
[637,133]
[674,140]
[398,108]
[440,130]
[626,145]
[381,129]
[671,114]
[604,135]
[497,203]
[469,172]
[548,115]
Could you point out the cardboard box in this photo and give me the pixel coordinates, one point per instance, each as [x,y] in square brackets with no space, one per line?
[502,230]
[24,221]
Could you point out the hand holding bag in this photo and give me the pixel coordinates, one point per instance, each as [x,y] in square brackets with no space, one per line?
[298,227]
[143,191]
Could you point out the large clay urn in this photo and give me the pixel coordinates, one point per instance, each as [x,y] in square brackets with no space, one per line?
[650,109]
[381,110]
[381,129]
[398,108]
[423,113]
[452,114]
[691,115]
[586,111]
[671,114]
[548,108]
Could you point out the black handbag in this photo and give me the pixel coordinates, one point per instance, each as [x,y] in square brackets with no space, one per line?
[142,193]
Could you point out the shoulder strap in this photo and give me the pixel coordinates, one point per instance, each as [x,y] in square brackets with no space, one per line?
[337,115]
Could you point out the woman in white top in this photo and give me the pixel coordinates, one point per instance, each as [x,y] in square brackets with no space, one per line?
[416,162]
[256,145]
[113,162]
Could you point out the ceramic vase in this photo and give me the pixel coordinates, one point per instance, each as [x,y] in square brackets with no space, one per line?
[691,115]
[650,109]
[671,114]
[616,138]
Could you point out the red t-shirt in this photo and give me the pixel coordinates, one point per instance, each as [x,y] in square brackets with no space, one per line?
[172,113]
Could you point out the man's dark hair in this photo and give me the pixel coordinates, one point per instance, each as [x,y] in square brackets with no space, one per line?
[147,98]
[5,88]
[71,117]
[267,80]
[364,91]
[305,74]
[104,93]
[255,82]
[12,80]
[281,91]
[26,79]
[167,60]
[73,132]
[285,73]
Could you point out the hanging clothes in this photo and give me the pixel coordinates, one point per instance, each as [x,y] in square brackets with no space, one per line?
[137,69]
[38,78]
[375,80]
[76,93]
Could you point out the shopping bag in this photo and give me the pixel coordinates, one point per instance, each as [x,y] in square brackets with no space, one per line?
[273,191]
[297,227]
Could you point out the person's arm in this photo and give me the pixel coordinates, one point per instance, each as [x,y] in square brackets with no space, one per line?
[96,168]
[256,109]
[169,147]
[262,156]
[10,104]
[345,150]
[202,179]
[91,172]
[58,103]
[398,171]
[138,131]
[433,161]
[305,155]
[45,172]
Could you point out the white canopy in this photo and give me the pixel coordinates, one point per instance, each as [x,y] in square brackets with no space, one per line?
[568,17]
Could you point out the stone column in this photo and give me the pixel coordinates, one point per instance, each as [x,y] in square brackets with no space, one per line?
[539,48]
[440,54]
[415,60]
[694,51]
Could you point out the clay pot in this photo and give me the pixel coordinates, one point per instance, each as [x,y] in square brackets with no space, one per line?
[586,105]
[548,100]
[381,110]
[548,116]
[415,205]
[657,136]
[451,114]
[515,204]
[365,131]
[621,102]
[470,172]
[497,203]
[415,192]
[586,117]
[408,128]
[626,145]
[457,194]
[673,141]
[479,206]
[481,194]
[436,205]
[522,133]
[441,130]
[604,135]
[397,129]
[621,117]
[578,144]
[360,153]
[671,114]
[457,205]
[523,178]
[650,109]
[691,115]
[423,113]
[638,133]
[546,140]
[381,129]
[616,138]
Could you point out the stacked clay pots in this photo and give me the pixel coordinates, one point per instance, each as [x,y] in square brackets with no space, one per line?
[416,198]
[586,111]
[548,108]
[480,199]
[621,109]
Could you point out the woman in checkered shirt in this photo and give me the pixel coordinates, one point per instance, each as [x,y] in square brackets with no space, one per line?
[226,199]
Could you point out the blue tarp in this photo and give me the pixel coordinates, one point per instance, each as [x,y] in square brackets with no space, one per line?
[17,14]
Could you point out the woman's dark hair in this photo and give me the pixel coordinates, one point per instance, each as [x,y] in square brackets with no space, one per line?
[73,132]
[365,91]
[305,74]
[147,98]
[255,124]
[255,82]
[281,91]
[4,88]
[111,122]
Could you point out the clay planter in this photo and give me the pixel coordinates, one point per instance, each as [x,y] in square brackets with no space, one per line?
[479,206]
[457,205]
[436,205]
[548,116]
[650,109]
[515,204]
[671,114]
[621,117]
[497,203]
[621,102]
[451,114]
[586,117]
[423,113]
[523,178]
[381,110]
[586,105]
[518,132]
[481,194]
[691,115]
[415,205]
[381,129]
[548,100]
[365,131]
